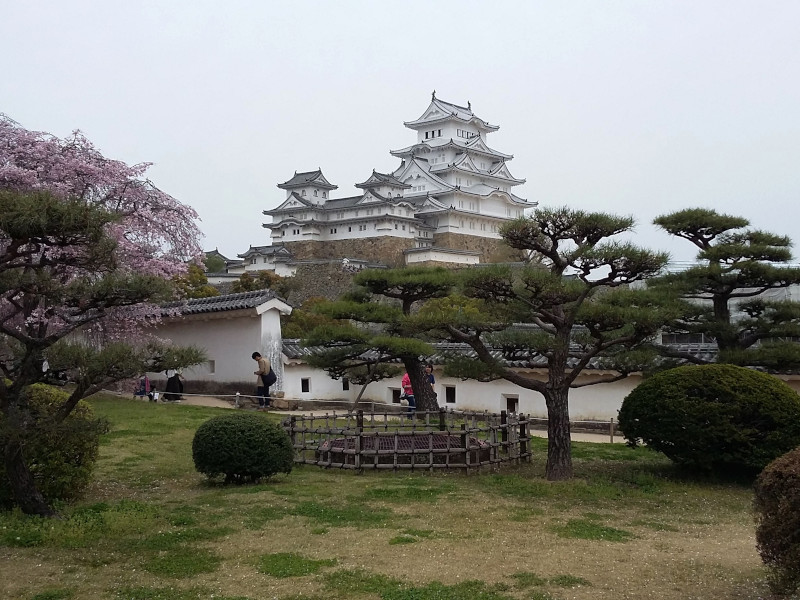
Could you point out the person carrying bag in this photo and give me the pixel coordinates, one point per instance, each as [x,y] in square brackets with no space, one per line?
[266,377]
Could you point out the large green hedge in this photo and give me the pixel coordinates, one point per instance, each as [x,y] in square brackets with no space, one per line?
[715,417]
[61,456]
[777,508]
[242,446]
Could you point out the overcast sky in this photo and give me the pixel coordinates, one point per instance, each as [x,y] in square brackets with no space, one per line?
[631,107]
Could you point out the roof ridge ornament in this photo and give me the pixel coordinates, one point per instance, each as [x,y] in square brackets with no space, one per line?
[469,105]
[433,95]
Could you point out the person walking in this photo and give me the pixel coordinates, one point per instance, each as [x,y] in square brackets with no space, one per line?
[263,388]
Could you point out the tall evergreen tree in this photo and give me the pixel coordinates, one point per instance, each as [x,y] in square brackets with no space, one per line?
[575,304]
[380,330]
[738,269]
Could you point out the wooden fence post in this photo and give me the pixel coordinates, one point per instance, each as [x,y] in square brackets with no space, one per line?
[504,430]
[524,438]
[442,417]
[292,432]
[465,445]
[357,446]
[611,429]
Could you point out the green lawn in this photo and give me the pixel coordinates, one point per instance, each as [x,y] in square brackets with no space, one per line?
[150,528]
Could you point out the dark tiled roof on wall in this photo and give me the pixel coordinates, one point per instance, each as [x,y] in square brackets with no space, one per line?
[218,303]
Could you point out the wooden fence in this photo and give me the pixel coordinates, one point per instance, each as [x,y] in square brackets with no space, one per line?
[443,439]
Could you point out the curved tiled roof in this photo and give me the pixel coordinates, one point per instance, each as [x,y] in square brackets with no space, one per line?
[307,178]
[293,349]
[218,303]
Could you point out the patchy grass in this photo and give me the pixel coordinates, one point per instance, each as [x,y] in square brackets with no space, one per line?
[360,581]
[469,590]
[585,529]
[171,593]
[182,562]
[353,515]
[629,525]
[524,580]
[55,594]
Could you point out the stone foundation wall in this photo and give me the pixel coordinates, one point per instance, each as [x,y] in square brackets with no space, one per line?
[492,250]
[325,280]
[385,249]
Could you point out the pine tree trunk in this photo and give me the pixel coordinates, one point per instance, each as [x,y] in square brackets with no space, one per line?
[559,451]
[423,393]
[26,495]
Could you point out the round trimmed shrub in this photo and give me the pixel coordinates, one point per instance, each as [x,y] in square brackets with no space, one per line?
[242,447]
[714,417]
[61,456]
[777,508]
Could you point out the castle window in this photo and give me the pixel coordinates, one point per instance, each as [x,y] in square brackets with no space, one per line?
[440,133]
[349,229]
[395,225]
[315,192]
[264,260]
[450,394]
[253,260]
[404,227]
[426,135]
[345,384]
[324,194]
[305,385]
[303,193]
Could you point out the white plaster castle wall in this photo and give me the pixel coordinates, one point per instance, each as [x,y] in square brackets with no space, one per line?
[601,402]
[227,342]
[434,255]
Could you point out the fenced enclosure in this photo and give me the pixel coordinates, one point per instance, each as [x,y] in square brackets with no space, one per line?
[443,439]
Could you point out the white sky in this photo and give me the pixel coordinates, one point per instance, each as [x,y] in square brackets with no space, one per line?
[631,107]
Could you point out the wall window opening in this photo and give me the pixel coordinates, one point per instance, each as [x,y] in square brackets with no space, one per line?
[450,394]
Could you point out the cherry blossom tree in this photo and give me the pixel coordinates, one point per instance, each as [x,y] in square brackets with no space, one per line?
[88,247]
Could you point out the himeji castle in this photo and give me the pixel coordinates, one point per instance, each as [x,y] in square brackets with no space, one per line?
[444,203]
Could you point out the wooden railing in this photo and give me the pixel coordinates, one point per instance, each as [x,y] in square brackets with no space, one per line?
[443,439]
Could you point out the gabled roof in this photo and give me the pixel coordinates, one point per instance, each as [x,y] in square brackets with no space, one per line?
[340,203]
[465,163]
[277,250]
[293,200]
[424,169]
[481,189]
[439,110]
[216,254]
[501,171]
[476,145]
[307,178]
[379,179]
[219,303]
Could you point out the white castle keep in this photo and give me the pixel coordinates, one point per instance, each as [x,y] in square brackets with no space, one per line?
[444,203]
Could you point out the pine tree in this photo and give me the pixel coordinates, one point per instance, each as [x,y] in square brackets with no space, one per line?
[738,268]
[379,329]
[575,304]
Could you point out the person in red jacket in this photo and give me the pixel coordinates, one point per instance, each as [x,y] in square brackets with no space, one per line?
[405,383]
